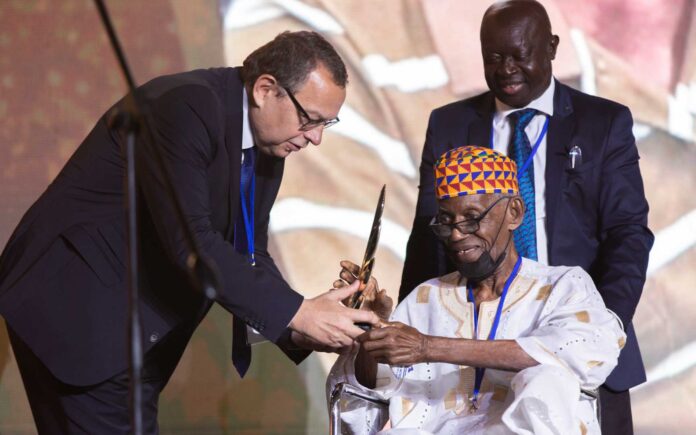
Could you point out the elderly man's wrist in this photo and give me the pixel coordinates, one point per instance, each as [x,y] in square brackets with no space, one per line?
[429,346]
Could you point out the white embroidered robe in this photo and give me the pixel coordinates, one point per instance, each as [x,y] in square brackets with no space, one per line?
[555,314]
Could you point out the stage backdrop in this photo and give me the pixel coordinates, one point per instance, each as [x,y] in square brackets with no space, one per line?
[405,57]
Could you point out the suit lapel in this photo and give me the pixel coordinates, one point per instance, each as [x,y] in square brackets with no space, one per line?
[233,143]
[480,129]
[269,173]
[561,130]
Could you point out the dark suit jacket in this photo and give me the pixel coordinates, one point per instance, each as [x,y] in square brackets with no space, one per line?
[62,286]
[596,214]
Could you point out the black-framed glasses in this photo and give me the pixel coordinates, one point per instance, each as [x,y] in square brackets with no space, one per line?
[467,226]
[310,123]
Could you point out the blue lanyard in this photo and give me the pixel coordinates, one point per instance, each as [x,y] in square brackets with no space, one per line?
[248,214]
[470,291]
[534,149]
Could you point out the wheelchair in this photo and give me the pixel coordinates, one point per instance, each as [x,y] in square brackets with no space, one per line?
[343,393]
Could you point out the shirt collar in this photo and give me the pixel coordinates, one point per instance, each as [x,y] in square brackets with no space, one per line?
[247,137]
[544,104]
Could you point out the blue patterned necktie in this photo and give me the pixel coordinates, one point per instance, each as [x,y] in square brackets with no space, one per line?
[520,149]
[241,351]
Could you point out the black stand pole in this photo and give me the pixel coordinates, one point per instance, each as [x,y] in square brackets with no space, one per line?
[134,327]
[131,120]
[126,122]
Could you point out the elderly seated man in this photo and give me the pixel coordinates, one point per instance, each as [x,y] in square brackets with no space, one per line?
[503,345]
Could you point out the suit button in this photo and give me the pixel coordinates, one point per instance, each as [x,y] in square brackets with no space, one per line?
[154,337]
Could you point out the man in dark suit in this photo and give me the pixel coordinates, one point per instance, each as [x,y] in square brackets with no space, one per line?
[62,287]
[586,202]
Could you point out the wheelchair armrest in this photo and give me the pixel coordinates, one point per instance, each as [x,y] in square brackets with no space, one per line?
[592,394]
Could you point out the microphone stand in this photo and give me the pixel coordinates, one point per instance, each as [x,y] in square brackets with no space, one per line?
[132,119]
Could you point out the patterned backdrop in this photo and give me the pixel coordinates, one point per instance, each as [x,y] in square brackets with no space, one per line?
[405,57]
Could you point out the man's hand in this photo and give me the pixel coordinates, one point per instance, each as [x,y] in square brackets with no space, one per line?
[303,342]
[326,321]
[396,344]
[372,298]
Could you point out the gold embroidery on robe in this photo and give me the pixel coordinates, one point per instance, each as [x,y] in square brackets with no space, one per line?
[465,388]
[622,342]
[459,309]
[544,293]
[451,399]
[583,316]
[485,318]
[423,294]
[591,364]
[467,376]
[583,429]
[406,406]
[519,288]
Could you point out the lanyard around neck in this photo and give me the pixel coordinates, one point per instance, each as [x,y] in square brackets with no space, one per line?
[524,167]
[248,215]
[496,320]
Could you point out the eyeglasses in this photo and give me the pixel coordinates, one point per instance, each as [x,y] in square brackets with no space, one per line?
[310,123]
[467,226]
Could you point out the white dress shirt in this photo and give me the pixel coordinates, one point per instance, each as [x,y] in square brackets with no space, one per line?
[247,137]
[501,139]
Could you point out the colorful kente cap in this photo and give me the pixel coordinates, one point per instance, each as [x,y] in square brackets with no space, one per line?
[473,170]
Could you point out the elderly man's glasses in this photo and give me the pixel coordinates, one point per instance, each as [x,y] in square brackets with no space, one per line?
[310,123]
[467,226]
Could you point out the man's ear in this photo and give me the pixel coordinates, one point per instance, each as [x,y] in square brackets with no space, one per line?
[264,87]
[515,213]
[553,46]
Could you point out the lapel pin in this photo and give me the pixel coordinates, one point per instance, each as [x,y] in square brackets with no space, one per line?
[575,156]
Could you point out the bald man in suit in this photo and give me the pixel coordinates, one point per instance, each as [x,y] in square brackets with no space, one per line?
[588,206]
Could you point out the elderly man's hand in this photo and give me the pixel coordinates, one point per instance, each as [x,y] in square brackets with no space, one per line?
[396,344]
[378,302]
[372,299]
